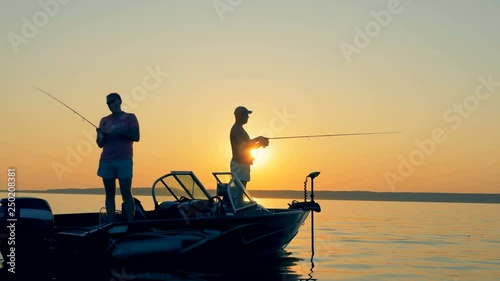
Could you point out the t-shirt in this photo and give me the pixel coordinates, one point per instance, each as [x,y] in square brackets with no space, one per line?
[116,147]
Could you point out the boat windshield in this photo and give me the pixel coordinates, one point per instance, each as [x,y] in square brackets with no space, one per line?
[231,190]
[178,185]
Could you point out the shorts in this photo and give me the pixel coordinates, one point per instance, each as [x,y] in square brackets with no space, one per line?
[121,169]
[241,170]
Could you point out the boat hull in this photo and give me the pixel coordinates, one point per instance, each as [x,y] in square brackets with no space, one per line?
[225,237]
[166,239]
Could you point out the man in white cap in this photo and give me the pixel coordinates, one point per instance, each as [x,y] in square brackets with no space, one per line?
[242,145]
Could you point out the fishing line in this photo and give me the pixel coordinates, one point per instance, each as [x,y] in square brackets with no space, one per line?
[74,111]
[332,135]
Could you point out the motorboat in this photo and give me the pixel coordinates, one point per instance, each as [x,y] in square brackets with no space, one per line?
[186,222]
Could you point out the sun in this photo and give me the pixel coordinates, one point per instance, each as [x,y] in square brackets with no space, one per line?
[261,156]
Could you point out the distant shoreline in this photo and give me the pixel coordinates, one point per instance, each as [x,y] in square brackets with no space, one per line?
[490,198]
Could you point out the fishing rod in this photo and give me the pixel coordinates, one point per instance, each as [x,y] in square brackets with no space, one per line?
[332,135]
[74,111]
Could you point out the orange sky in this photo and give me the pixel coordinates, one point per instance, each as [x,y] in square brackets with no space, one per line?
[332,67]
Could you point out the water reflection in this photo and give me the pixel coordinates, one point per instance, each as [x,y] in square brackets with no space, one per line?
[278,267]
[311,271]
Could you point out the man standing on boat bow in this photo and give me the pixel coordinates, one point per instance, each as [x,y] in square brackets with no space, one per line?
[115,135]
[242,145]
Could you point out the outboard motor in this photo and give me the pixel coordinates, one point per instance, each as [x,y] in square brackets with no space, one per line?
[25,227]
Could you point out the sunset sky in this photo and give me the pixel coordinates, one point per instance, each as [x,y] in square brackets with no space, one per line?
[430,69]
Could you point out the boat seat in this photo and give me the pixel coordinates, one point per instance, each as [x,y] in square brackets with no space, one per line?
[167,209]
[140,213]
[222,193]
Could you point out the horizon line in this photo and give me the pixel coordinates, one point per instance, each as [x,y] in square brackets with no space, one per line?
[262,190]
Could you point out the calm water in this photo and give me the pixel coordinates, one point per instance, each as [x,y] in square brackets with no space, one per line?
[354,240]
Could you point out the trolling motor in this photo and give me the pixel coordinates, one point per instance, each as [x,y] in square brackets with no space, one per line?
[310,206]
[307,205]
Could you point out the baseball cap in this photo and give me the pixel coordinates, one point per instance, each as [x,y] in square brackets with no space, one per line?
[241,110]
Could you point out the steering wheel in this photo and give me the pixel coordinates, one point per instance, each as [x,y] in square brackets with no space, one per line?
[183,199]
[215,201]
